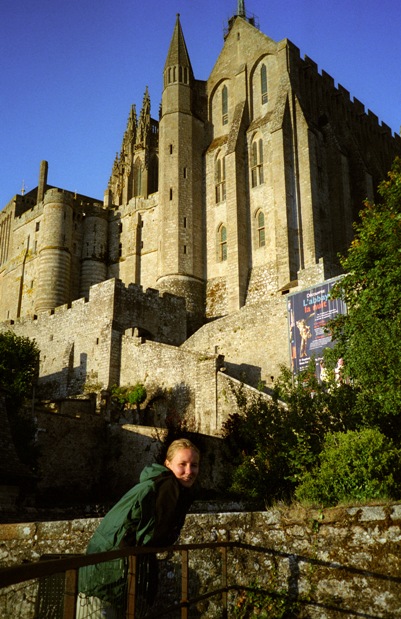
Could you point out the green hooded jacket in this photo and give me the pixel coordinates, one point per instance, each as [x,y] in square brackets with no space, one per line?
[151,513]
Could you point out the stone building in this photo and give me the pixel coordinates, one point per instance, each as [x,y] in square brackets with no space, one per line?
[246,187]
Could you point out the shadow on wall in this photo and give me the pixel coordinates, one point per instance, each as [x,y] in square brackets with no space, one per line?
[245,372]
[85,460]
[68,381]
[131,450]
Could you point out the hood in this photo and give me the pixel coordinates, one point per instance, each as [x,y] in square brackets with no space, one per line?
[153,471]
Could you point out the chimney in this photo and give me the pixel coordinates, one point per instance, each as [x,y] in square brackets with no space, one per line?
[44,166]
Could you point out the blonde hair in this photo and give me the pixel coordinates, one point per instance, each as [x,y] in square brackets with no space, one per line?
[180,443]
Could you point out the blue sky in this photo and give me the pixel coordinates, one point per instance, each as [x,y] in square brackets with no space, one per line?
[71,70]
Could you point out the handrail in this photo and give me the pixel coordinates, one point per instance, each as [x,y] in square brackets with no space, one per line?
[70,565]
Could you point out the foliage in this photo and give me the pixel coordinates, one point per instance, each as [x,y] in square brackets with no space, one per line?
[128,395]
[368,338]
[19,358]
[354,466]
[274,445]
[19,361]
[327,443]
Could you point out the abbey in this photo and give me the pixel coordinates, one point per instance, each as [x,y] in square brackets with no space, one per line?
[245,188]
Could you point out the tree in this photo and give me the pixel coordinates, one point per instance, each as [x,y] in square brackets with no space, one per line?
[19,361]
[19,357]
[369,336]
[282,451]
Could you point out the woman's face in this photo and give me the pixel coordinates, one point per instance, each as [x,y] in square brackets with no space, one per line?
[185,466]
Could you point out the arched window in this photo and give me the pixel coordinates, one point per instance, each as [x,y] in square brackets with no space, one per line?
[224,105]
[222,243]
[263,83]
[257,162]
[220,178]
[261,229]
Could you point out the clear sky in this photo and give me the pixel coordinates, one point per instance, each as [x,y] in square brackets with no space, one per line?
[70,70]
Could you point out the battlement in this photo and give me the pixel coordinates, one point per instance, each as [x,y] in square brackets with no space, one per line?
[129,296]
[307,69]
[58,195]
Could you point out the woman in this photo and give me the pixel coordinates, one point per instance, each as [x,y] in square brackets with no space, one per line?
[152,513]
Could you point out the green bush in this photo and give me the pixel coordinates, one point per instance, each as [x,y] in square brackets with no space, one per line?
[137,394]
[128,395]
[354,466]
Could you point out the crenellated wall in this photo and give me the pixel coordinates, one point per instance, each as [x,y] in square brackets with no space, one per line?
[81,344]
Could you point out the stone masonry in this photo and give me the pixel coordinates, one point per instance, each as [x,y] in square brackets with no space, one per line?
[243,190]
[340,562]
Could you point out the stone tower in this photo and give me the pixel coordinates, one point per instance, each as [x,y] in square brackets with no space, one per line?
[55,244]
[181,141]
[94,248]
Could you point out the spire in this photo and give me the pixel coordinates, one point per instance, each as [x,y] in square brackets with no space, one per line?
[144,119]
[178,53]
[130,132]
[241,8]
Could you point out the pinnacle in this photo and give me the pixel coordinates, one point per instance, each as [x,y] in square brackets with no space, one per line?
[178,53]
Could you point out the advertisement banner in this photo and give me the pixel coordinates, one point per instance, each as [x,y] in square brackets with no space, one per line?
[309,311]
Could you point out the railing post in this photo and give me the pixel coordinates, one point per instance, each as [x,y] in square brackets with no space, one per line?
[184,584]
[224,595]
[70,594]
[131,586]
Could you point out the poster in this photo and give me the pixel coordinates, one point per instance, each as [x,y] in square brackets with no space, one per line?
[309,311]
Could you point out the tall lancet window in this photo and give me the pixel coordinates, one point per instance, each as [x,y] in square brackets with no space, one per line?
[138,177]
[263,83]
[220,178]
[257,162]
[261,229]
[224,105]
[222,243]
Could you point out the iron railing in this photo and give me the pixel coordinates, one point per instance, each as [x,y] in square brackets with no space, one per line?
[56,579]
[48,589]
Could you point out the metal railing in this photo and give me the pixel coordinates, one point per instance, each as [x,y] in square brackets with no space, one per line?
[49,588]
[58,578]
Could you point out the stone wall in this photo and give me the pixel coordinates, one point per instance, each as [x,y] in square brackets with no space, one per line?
[254,341]
[85,462]
[185,379]
[80,344]
[339,562]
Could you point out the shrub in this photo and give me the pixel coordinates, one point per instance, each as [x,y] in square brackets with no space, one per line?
[272,446]
[354,466]
[128,395]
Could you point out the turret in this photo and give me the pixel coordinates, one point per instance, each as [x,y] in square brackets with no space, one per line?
[181,140]
[94,248]
[55,250]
